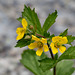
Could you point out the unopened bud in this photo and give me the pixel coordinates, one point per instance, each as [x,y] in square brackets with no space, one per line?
[31,27]
[27,37]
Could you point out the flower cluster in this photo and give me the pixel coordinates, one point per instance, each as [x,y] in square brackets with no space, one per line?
[41,44]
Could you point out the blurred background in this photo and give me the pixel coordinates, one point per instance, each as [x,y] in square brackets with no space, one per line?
[10,10]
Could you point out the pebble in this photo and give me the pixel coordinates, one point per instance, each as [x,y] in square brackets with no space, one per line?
[10,10]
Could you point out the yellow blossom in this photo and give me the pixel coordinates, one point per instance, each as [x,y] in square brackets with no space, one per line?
[21,30]
[40,44]
[57,42]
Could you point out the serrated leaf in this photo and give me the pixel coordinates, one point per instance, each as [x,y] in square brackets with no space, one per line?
[19,19]
[51,36]
[68,54]
[49,21]
[47,63]
[70,39]
[23,42]
[65,68]
[30,61]
[32,18]
[46,34]
[64,33]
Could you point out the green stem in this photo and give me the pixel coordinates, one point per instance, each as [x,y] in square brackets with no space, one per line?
[50,51]
[54,69]
[40,35]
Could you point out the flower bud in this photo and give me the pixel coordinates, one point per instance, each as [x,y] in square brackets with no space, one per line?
[31,27]
[27,37]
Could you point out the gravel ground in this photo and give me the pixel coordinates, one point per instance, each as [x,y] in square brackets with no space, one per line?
[10,10]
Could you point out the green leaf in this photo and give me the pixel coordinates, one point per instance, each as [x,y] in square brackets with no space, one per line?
[32,18]
[64,33]
[65,68]
[30,61]
[49,21]
[23,42]
[47,63]
[51,36]
[56,56]
[70,39]
[19,19]
[46,34]
[68,54]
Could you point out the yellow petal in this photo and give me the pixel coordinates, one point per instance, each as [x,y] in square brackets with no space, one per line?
[19,30]
[62,49]
[39,52]
[32,45]
[64,40]
[35,38]
[46,48]
[59,39]
[56,38]
[54,49]
[44,40]
[24,23]
[20,36]
[52,44]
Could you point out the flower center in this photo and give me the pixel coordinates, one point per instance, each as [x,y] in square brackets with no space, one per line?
[56,44]
[39,44]
[22,30]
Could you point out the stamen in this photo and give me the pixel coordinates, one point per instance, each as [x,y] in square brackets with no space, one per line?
[39,44]
[56,45]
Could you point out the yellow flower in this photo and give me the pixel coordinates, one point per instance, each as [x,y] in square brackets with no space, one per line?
[57,42]
[40,44]
[21,31]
